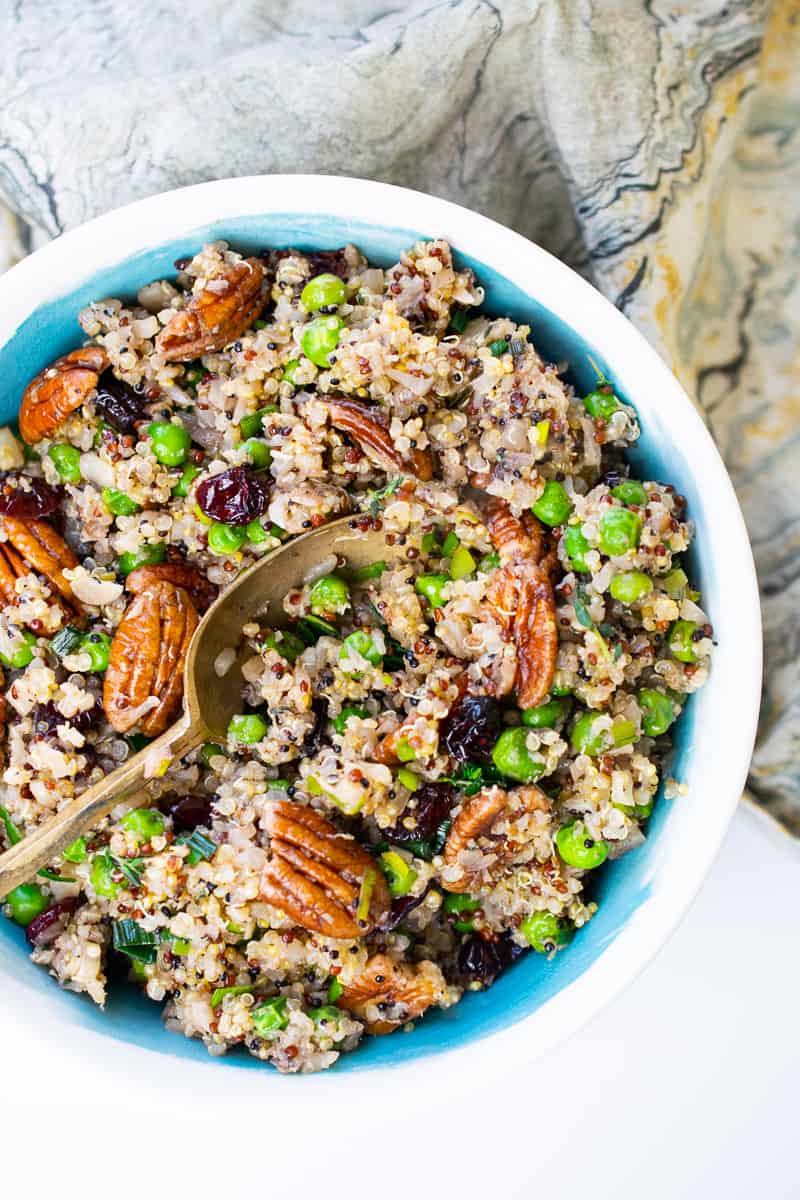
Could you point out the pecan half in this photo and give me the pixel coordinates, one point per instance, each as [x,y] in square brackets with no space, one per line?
[474,826]
[147,657]
[58,391]
[520,597]
[34,546]
[320,877]
[387,994]
[217,315]
[202,591]
[374,439]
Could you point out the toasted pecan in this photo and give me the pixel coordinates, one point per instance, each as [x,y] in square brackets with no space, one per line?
[202,591]
[147,657]
[520,598]
[58,391]
[34,546]
[476,821]
[399,992]
[217,315]
[363,425]
[320,877]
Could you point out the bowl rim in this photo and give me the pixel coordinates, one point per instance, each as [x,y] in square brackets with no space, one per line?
[113,237]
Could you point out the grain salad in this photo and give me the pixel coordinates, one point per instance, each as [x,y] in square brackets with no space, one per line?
[436,752]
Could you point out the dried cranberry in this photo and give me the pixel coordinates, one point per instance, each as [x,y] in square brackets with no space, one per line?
[47,718]
[482,960]
[429,807]
[29,503]
[313,739]
[50,923]
[471,729]
[188,812]
[400,909]
[118,404]
[234,497]
[324,262]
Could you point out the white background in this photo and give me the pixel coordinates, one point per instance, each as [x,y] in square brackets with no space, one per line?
[685,1087]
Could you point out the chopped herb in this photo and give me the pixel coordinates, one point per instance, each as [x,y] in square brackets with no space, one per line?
[498,347]
[219,994]
[379,497]
[200,846]
[459,319]
[581,611]
[131,868]
[471,777]
[312,628]
[12,833]
[66,641]
[53,876]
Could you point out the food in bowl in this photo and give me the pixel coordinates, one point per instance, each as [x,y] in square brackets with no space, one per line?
[435,754]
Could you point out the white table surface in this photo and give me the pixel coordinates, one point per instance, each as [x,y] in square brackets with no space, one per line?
[685,1087]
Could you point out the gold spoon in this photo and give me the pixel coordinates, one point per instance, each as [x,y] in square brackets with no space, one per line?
[209,699]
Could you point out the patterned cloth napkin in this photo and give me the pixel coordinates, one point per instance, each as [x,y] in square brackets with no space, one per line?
[652,144]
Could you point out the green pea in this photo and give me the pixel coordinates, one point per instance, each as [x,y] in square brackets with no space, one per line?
[462,563]
[681,642]
[340,722]
[170,442]
[289,370]
[450,545]
[76,851]
[630,491]
[545,716]
[545,932]
[327,1015]
[146,823]
[369,571]
[253,425]
[101,877]
[256,533]
[258,452]
[400,875]
[118,503]
[408,778]
[270,1017]
[553,506]
[620,530]
[330,594]
[226,539]
[601,402]
[674,583]
[658,712]
[323,291]
[630,586]
[489,562]
[512,757]
[320,339]
[98,647]
[578,849]
[498,347]
[26,902]
[360,643]
[67,461]
[576,546]
[583,740]
[21,657]
[247,728]
[431,587]
[285,643]
[210,750]
[146,556]
[188,476]
[559,686]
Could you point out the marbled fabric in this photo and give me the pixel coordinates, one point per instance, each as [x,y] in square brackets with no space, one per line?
[652,144]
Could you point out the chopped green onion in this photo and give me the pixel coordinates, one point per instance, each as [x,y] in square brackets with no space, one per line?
[66,641]
[498,347]
[365,895]
[335,990]
[270,1017]
[409,779]
[139,944]
[200,846]
[12,833]
[370,571]
[76,852]
[312,628]
[459,319]
[219,994]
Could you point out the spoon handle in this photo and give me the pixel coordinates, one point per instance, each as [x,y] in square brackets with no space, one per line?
[41,845]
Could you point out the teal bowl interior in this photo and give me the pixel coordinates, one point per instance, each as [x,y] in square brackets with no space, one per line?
[622,885]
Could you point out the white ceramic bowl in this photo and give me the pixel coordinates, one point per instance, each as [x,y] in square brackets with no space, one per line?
[645,894]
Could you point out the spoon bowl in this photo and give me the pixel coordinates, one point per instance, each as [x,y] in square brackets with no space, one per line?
[212,685]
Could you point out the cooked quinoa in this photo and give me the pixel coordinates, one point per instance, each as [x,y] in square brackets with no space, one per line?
[433,755]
